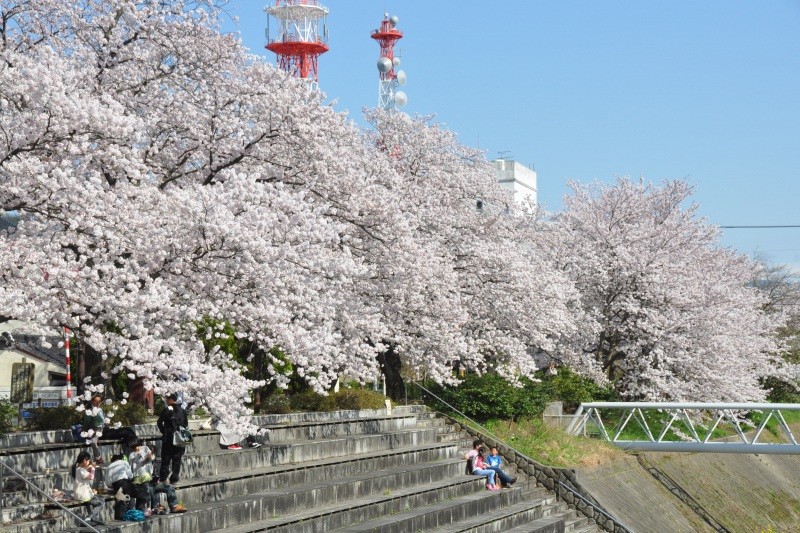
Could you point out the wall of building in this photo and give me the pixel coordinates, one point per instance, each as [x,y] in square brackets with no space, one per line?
[518,179]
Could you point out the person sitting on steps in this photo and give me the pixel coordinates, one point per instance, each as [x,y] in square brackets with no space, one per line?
[120,478]
[493,462]
[475,463]
[82,472]
[482,469]
[470,455]
[227,438]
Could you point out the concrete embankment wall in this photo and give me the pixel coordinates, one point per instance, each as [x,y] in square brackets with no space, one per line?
[743,493]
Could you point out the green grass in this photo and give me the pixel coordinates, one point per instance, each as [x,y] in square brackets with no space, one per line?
[551,445]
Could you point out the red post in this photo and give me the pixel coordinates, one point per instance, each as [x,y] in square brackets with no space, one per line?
[69,373]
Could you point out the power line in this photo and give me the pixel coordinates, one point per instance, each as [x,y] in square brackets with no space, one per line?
[760,227]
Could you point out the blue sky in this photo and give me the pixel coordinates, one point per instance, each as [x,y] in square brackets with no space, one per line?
[706,91]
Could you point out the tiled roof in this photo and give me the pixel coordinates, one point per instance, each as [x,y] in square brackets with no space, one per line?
[6,224]
[32,344]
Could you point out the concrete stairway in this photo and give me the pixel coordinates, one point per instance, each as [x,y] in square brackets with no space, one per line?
[353,471]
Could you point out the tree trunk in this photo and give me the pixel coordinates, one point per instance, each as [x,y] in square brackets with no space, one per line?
[391,366]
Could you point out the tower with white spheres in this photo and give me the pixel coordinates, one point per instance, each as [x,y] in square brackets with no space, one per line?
[389,95]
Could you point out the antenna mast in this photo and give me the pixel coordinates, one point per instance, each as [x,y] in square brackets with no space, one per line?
[389,97]
[299,42]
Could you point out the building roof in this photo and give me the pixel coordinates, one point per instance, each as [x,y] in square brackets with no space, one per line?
[6,224]
[32,344]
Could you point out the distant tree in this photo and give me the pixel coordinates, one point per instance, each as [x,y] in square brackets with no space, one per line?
[670,313]
[781,287]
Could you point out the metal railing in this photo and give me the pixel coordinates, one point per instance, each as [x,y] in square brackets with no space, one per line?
[481,429]
[690,416]
[4,466]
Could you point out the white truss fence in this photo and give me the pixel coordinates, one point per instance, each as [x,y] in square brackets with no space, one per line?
[692,417]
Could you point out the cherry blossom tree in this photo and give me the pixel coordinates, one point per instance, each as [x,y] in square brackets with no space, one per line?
[167,181]
[672,314]
[483,296]
[174,191]
[781,287]
[164,177]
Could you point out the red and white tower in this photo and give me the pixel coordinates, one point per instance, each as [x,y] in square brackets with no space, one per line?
[298,42]
[389,97]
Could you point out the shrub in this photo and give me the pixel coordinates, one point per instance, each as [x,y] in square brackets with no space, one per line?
[8,412]
[305,401]
[128,414]
[490,396]
[781,391]
[277,404]
[574,390]
[47,418]
[353,399]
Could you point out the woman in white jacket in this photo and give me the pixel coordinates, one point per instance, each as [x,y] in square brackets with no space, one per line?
[82,481]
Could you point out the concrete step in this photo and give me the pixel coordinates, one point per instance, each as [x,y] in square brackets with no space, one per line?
[546,524]
[45,524]
[332,517]
[573,520]
[590,528]
[18,513]
[55,456]
[528,509]
[442,513]
[10,499]
[228,462]
[304,509]
[31,439]
[224,485]
[337,428]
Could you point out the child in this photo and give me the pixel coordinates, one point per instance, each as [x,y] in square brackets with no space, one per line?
[480,468]
[493,462]
[83,475]
[120,477]
[141,461]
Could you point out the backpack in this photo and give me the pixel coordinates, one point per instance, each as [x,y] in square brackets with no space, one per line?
[468,469]
[76,430]
[133,515]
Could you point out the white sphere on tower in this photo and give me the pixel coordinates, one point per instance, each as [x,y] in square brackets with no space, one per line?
[384,64]
[400,98]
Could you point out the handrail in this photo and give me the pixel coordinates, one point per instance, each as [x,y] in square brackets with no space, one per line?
[700,438]
[479,427]
[40,491]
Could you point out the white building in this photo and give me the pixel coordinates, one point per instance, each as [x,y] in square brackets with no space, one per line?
[517,178]
[19,345]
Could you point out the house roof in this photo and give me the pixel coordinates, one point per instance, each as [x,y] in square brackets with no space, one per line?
[6,224]
[32,344]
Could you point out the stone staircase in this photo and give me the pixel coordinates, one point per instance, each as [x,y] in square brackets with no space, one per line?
[355,471]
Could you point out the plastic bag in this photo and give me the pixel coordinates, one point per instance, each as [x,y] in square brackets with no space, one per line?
[182,437]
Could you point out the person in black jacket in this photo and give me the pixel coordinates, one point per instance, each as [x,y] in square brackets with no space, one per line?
[172,417]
